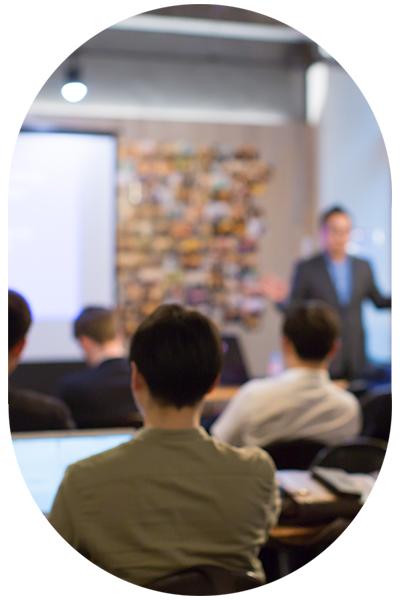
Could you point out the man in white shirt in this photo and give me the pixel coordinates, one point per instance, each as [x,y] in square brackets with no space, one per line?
[302,402]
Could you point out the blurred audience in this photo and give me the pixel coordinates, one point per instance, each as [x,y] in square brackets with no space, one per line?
[29,410]
[172,497]
[302,402]
[101,395]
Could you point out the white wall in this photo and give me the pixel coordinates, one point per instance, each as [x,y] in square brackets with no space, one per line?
[353,171]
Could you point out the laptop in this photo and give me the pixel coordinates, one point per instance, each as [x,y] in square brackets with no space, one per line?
[234,370]
[44,456]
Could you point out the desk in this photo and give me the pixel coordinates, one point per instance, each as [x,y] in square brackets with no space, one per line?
[289,548]
[295,534]
[222,393]
[216,400]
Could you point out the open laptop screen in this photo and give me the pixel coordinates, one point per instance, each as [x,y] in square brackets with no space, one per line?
[234,370]
[43,457]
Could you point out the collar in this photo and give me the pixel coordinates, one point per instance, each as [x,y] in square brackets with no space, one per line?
[330,261]
[176,435]
[298,372]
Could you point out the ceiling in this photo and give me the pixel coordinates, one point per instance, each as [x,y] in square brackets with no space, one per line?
[216,12]
[191,62]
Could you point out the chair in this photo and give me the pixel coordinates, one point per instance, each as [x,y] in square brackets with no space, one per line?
[282,556]
[205,580]
[376,407]
[294,454]
[359,455]
[358,387]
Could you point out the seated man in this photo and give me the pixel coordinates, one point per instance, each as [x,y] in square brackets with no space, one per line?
[172,497]
[100,396]
[29,410]
[302,402]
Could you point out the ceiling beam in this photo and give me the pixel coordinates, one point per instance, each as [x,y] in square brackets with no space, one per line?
[212,28]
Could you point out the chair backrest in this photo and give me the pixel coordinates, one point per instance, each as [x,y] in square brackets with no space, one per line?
[358,387]
[205,580]
[376,407]
[294,454]
[361,455]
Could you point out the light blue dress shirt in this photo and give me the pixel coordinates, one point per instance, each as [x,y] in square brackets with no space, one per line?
[342,278]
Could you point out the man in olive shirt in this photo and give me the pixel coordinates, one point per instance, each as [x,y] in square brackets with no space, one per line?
[172,497]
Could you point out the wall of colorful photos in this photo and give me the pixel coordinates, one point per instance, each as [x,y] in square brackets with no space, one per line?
[190,220]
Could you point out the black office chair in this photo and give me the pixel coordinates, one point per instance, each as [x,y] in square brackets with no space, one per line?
[282,556]
[376,407]
[359,455]
[205,580]
[358,387]
[294,454]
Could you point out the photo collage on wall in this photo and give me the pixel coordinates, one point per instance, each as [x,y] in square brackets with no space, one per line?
[190,219]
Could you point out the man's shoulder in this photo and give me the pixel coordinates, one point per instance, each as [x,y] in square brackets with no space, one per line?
[249,460]
[263,386]
[342,396]
[30,398]
[125,462]
[360,263]
[320,259]
[311,262]
[102,464]
[89,376]
[78,379]
[33,411]
[118,364]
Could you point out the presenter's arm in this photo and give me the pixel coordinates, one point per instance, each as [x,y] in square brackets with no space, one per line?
[299,288]
[280,292]
[374,294]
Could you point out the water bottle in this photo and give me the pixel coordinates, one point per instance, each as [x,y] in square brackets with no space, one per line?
[275,364]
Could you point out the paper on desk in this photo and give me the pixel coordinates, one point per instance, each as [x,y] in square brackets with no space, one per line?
[364,482]
[302,485]
[293,481]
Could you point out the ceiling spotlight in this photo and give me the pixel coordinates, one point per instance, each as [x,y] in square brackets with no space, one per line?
[73,90]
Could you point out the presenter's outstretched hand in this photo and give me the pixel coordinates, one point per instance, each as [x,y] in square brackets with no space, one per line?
[274,288]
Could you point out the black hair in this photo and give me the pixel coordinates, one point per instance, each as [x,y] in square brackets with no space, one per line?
[19,318]
[98,324]
[312,327]
[179,354]
[334,210]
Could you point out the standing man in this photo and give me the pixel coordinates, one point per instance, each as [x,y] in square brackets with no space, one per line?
[342,281]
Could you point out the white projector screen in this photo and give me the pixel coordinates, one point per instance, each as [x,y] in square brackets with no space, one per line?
[61,241]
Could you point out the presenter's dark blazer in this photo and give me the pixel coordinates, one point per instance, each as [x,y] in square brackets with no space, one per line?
[101,396]
[312,282]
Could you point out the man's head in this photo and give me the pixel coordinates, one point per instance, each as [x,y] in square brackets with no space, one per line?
[335,227]
[310,334]
[97,329]
[177,353]
[19,321]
